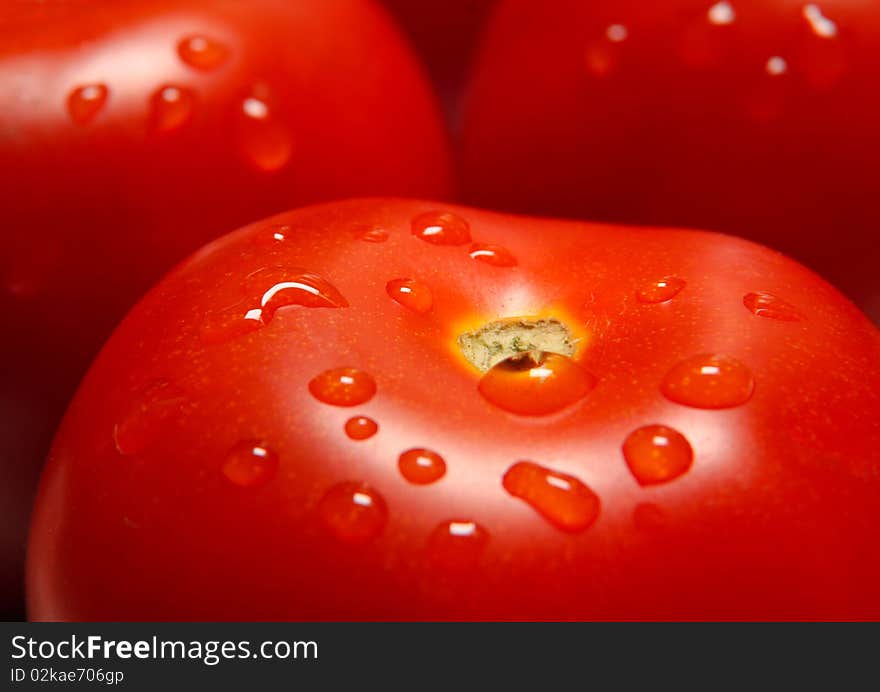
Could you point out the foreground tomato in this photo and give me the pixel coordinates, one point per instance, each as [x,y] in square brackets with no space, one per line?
[288,427]
[754,117]
[131,133]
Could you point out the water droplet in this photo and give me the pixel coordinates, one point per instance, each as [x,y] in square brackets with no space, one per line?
[353,512]
[616,33]
[370,234]
[149,417]
[656,454]
[721,13]
[250,464]
[291,286]
[171,108]
[708,381]
[563,500]
[441,228]
[495,255]
[201,52]
[819,23]
[272,235]
[421,466]
[84,102]
[265,141]
[361,427]
[535,384]
[225,325]
[457,544]
[776,66]
[410,293]
[765,304]
[343,387]
[661,290]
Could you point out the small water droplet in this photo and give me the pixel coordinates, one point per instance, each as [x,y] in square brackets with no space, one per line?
[721,13]
[171,108]
[265,141]
[84,102]
[411,293]
[457,544]
[616,33]
[272,235]
[661,290]
[343,387]
[225,325]
[708,381]
[149,416]
[421,466]
[776,66]
[353,512]
[361,427]
[370,234]
[441,228]
[535,384]
[657,453]
[495,255]
[765,304]
[280,287]
[563,500]
[819,23]
[201,52]
[250,464]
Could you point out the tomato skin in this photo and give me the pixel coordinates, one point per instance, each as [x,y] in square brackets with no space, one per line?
[97,204]
[649,113]
[775,515]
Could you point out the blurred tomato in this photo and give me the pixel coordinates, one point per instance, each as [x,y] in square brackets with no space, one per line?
[754,117]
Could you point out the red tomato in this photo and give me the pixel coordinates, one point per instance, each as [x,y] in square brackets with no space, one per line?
[753,117]
[687,426]
[133,132]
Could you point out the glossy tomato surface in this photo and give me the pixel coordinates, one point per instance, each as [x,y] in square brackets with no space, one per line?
[286,427]
[752,117]
[133,132]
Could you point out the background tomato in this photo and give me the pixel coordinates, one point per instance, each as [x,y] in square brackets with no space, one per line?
[754,117]
[286,427]
[131,133]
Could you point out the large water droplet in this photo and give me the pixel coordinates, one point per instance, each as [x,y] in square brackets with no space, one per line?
[265,141]
[661,290]
[279,287]
[441,228]
[495,255]
[708,381]
[353,512]
[421,466]
[411,294]
[343,387]
[152,411]
[765,304]
[361,427]
[85,102]
[457,544]
[171,108]
[250,463]
[657,453]
[535,384]
[202,52]
[563,500]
